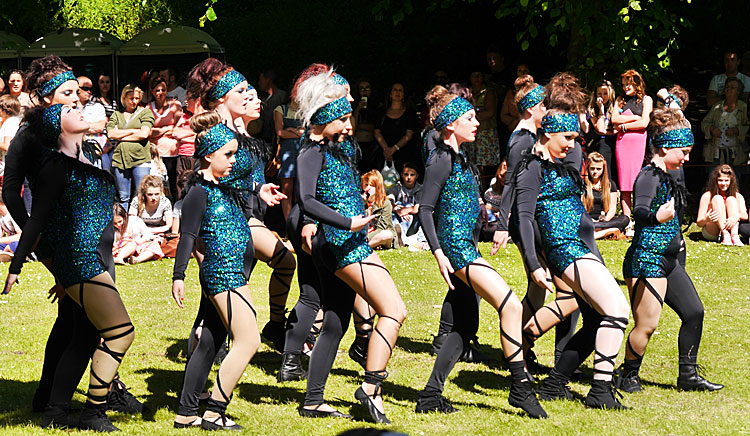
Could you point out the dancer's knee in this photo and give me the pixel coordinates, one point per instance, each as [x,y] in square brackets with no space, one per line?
[694,316]
[513,306]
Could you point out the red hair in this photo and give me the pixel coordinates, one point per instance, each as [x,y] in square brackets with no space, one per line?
[312,70]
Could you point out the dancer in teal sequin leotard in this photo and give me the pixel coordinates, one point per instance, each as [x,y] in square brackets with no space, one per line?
[449,212]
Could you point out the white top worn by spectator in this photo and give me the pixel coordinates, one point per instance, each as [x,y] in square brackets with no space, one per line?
[152,220]
[8,130]
[93,112]
[717,83]
[178,94]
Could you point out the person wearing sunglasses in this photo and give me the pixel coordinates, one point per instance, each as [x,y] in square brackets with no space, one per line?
[94,140]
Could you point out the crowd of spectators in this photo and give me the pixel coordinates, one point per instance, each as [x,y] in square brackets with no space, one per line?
[141,134]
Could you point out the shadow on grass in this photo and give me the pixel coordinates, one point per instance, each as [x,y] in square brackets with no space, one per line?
[15,402]
[160,382]
[474,380]
[176,351]
[413,346]
[267,361]
[270,394]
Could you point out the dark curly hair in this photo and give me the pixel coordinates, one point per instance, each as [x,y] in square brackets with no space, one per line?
[203,77]
[43,69]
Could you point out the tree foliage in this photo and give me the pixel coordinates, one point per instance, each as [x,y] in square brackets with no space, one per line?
[122,18]
[596,35]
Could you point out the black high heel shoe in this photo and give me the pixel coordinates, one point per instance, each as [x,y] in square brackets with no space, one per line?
[375,378]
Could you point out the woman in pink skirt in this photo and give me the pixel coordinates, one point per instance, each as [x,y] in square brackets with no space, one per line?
[630,119]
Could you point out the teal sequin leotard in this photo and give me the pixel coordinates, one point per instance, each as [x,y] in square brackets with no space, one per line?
[652,241]
[550,194]
[449,209]
[330,193]
[74,208]
[213,212]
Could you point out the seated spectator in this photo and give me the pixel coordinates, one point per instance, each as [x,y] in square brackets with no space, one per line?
[600,199]
[725,127]
[10,120]
[493,194]
[721,208]
[731,69]
[404,197]
[381,233]
[10,233]
[182,181]
[152,206]
[134,242]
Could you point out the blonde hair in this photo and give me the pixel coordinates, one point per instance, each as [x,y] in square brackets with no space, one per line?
[148,181]
[316,92]
[376,179]
[127,90]
[606,190]
[594,107]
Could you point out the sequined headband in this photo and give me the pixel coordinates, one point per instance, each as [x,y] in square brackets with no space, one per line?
[215,138]
[561,123]
[674,139]
[228,81]
[49,86]
[532,98]
[451,112]
[331,111]
[339,80]
[51,122]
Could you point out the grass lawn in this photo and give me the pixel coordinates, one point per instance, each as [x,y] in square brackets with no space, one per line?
[153,367]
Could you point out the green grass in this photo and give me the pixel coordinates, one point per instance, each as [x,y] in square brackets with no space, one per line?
[154,365]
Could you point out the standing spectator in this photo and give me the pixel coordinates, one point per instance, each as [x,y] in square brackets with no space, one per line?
[95,144]
[2,86]
[174,90]
[485,150]
[185,137]
[289,131]
[104,94]
[395,130]
[599,115]
[130,129]
[726,126]
[272,96]
[731,69]
[10,120]
[17,88]
[152,206]
[630,118]
[364,131]
[509,114]
[167,114]
[721,208]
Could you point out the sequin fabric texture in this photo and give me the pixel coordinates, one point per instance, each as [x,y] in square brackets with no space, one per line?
[215,138]
[561,123]
[558,213]
[457,211]
[532,98]
[331,111]
[51,122]
[675,138]
[82,214]
[228,81]
[338,188]
[247,168]
[451,112]
[225,232]
[52,84]
[650,242]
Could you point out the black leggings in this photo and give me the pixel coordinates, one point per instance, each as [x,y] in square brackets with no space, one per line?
[302,317]
[170,163]
[337,302]
[581,345]
[71,344]
[683,298]
[199,365]
[620,222]
[461,306]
